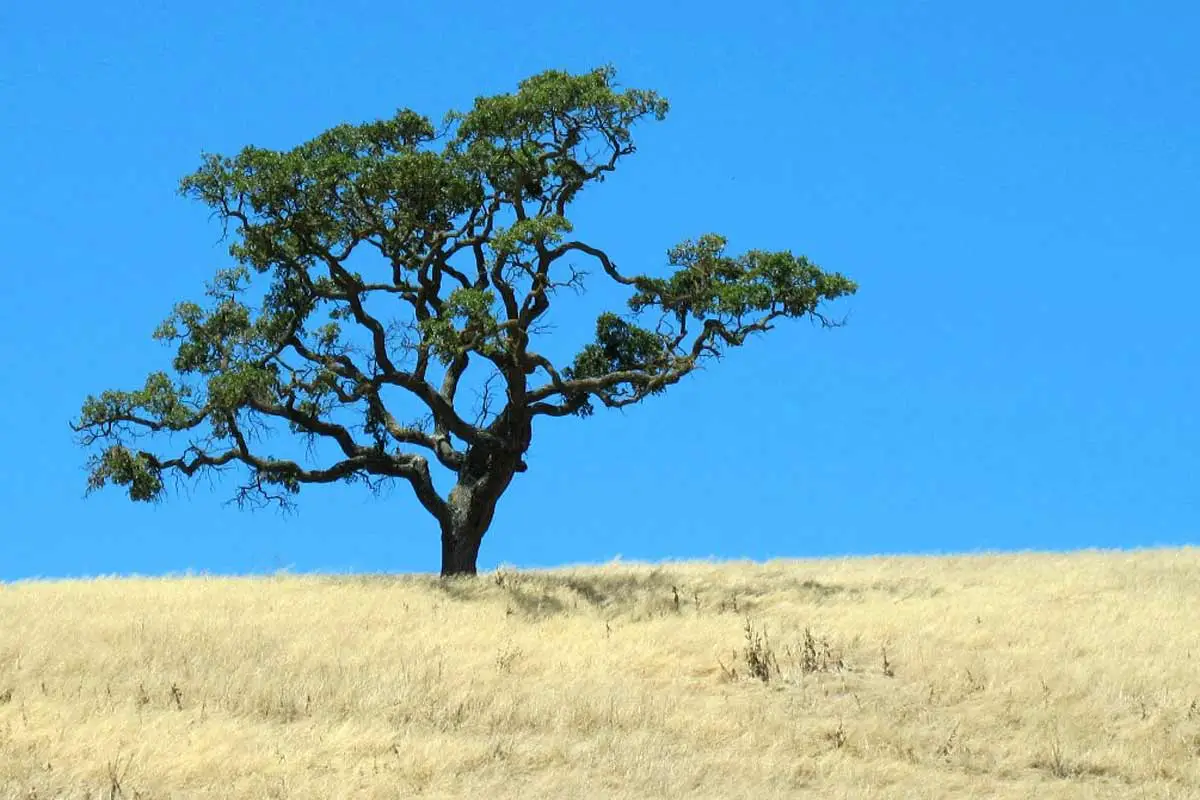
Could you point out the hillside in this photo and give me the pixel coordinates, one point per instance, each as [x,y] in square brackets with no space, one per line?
[1030,675]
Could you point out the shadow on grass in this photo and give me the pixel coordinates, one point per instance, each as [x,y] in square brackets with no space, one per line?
[659,592]
[636,592]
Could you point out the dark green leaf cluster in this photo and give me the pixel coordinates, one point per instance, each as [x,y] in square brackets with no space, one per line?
[473,309]
[161,400]
[620,346]
[526,237]
[556,97]
[122,467]
[537,137]
[328,194]
[709,284]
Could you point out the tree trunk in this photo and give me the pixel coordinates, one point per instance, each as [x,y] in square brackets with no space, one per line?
[483,478]
[460,549]
[471,506]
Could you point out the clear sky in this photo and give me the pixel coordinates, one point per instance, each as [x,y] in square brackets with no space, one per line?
[1014,185]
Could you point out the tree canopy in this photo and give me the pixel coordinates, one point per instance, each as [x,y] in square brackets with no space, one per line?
[397,255]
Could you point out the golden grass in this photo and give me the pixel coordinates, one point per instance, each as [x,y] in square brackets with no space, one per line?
[1049,676]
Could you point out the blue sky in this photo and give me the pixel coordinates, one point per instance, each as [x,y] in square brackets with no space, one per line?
[1014,186]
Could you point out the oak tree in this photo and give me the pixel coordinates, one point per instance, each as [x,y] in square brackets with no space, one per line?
[397,257]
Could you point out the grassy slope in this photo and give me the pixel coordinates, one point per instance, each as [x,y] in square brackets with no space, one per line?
[1047,676]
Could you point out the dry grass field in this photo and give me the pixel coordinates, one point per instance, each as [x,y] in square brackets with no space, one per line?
[1032,676]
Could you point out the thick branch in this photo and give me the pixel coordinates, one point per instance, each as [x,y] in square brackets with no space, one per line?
[411,468]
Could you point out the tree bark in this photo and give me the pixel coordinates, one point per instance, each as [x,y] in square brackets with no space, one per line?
[484,476]
[460,550]
[470,509]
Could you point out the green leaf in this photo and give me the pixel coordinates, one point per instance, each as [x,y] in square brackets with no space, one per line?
[118,465]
